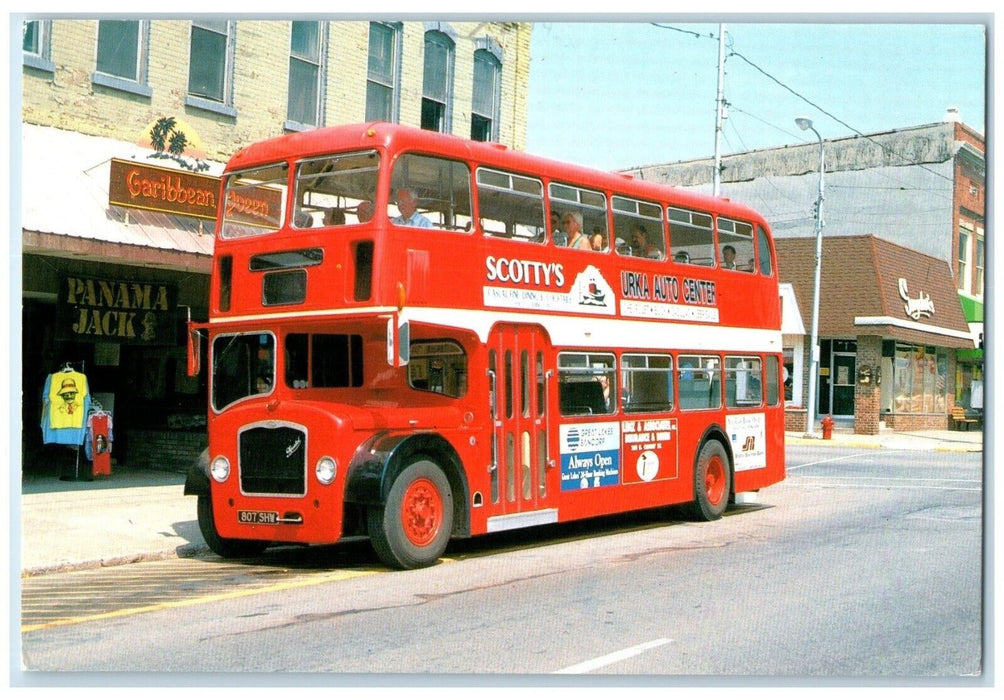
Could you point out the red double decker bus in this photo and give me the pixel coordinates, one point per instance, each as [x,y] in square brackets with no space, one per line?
[408,339]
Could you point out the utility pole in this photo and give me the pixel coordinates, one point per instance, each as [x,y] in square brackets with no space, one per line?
[719,111]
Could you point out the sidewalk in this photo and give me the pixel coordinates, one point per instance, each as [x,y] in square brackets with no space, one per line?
[144,515]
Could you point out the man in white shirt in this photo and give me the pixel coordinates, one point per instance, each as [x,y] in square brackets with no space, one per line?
[407,203]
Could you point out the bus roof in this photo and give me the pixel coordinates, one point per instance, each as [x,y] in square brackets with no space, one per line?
[400,138]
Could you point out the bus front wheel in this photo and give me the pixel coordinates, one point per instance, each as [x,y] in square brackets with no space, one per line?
[411,530]
[712,482]
[225,547]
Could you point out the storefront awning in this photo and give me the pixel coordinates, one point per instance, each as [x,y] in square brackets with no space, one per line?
[65,206]
[971,308]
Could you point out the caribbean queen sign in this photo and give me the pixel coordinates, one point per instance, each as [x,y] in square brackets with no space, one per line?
[165,190]
[117,311]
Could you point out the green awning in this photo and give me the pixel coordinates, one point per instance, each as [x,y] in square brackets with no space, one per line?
[972,308]
[969,355]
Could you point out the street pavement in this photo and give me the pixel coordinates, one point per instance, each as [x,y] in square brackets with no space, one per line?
[138,515]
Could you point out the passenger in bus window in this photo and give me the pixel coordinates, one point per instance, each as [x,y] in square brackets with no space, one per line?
[729,258]
[334,217]
[571,224]
[682,257]
[407,203]
[640,245]
[559,236]
[364,211]
[598,240]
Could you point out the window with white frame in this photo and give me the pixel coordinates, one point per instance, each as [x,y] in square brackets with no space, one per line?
[437,82]
[963,258]
[36,44]
[122,55]
[305,74]
[487,94]
[382,72]
[211,64]
[980,263]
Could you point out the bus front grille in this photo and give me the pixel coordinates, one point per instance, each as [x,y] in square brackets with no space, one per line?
[273,460]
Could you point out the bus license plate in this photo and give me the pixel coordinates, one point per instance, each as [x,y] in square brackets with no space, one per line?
[257,517]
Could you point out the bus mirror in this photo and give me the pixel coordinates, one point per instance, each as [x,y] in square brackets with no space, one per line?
[194,351]
[398,342]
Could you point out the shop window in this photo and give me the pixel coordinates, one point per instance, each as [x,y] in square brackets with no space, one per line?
[441,367]
[919,379]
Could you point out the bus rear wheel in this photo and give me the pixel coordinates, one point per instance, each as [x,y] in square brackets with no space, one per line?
[225,547]
[411,530]
[712,482]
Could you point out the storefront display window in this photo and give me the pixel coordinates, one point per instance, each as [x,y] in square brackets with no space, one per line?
[919,379]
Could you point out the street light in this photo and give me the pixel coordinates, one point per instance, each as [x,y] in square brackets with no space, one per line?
[803,124]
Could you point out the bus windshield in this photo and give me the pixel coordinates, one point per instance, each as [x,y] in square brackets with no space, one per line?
[243,365]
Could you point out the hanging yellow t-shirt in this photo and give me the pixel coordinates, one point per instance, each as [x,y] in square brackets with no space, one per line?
[67,394]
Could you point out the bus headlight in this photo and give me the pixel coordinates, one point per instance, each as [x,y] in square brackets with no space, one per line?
[326,469]
[220,468]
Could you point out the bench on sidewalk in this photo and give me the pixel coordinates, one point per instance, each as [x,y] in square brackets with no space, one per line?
[960,418]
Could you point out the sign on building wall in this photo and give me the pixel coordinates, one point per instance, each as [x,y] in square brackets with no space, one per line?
[165,190]
[116,311]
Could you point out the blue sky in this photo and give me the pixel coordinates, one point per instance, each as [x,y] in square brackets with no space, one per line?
[613,95]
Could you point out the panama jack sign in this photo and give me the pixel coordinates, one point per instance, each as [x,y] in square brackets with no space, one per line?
[117,311]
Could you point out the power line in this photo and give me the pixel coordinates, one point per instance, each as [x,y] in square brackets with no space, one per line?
[733,52]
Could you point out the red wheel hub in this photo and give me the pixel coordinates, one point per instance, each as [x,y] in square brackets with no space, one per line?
[421,512]
[714,480]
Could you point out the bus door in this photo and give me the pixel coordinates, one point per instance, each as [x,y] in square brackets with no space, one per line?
[520,458]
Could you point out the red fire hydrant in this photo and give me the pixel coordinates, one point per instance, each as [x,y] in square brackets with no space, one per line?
[827,425]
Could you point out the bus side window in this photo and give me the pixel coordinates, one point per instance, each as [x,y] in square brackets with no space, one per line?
[510,206]
[743,381]
[699,383]
[441,187]
[587,383]
[692,237]
[763,247]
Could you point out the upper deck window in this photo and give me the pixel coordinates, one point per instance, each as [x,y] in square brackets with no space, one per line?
[736,241]
[692,237]
[510,205]
[763,245]
[577,201]
[638,228]
[254,201]
[429,192]
[336,190]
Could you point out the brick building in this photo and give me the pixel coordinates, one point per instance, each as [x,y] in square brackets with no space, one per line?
[894,195]
[160,105]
